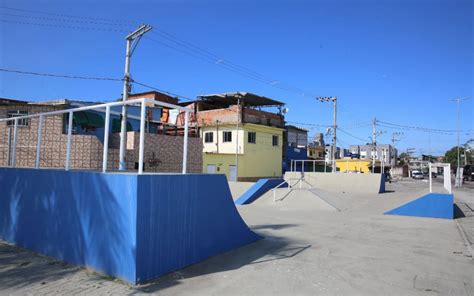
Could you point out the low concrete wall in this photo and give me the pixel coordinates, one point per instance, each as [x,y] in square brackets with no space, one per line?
[134,227]
[342,182]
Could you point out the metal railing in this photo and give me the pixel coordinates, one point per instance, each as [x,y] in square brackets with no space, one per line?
[294,164]
[290,185]
[141,102]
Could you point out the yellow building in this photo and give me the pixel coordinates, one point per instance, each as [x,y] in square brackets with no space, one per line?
[241,137]
[258,147]
[355,165]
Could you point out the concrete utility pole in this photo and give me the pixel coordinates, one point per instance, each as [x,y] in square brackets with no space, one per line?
[374,139]
[374,142]
[334,140]
[132,41]
[457,182]
[237,141]
[394,142]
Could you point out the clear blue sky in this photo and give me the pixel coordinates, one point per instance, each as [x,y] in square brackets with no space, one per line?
[399,61]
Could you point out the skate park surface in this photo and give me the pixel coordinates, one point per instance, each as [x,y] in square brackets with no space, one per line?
[330,245]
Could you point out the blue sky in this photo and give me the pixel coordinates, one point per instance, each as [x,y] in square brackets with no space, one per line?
[399,61]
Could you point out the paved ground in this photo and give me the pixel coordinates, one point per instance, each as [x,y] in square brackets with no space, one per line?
[308,249]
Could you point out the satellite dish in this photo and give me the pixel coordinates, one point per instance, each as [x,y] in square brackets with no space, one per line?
[285,110]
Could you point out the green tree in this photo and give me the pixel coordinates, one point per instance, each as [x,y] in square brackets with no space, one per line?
[451,155]
[403,158]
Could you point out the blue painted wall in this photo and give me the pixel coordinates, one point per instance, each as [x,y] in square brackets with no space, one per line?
[79,217]
[257,190]
[129,226]
[184,219]
[432,205]
[295,154]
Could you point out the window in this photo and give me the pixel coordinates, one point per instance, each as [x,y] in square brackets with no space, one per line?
[16,113]
[252,137]
[227,136]
[275,140]
[209,137]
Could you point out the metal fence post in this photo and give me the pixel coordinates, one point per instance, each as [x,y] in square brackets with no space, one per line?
[142,137]
[106,139]
[15,138]
[38,142]
[431,180]
[69,136]
[185,142]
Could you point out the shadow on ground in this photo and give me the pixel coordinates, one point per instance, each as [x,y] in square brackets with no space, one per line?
[19,268]
[458,213]
[268,249]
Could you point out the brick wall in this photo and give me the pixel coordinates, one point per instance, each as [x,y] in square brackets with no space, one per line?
[162,153]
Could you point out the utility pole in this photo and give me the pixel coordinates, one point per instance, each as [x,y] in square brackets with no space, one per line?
[132,42]
[457,183]
[394,142]
[237,141]
[334,140]
[374,139]
[374,142]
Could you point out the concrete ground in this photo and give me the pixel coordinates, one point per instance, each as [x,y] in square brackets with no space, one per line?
[310,248]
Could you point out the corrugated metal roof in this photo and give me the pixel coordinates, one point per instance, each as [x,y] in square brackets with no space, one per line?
[232,98]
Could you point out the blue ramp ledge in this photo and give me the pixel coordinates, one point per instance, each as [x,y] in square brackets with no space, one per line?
[432,205]
[257,190]
[134,227]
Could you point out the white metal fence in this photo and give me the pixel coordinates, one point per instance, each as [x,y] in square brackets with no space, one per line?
[37,147]
[308,165]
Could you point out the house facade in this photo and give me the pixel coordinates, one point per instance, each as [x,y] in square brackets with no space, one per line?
[385,153]
[163,141]
[240,139]
[295,142]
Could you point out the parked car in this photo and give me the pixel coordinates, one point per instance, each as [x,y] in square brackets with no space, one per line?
[468,172]
[417,175]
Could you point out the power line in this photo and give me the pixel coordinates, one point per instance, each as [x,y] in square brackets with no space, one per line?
[415,128]
[117,22]
[351,135]
[60,75]
[180,45]
[161,90]
[54,19]
[62,26]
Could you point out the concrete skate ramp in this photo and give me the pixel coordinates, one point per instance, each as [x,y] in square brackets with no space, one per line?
[296,199]
[257,190]
[342,182]
[338,200]
[239,188]
[134,227]
[432,205]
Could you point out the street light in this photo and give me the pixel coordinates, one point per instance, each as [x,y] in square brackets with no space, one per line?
[458,170]
[334,147]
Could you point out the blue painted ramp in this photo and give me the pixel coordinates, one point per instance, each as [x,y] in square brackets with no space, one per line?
[134,227]
[433,205]
[257,190]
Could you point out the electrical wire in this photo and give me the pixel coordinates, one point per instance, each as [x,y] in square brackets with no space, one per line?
[351,135]
[118,22]
[62,26]
[60,75]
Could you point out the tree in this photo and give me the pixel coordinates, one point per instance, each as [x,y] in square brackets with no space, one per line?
[403,158]
[451,155]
